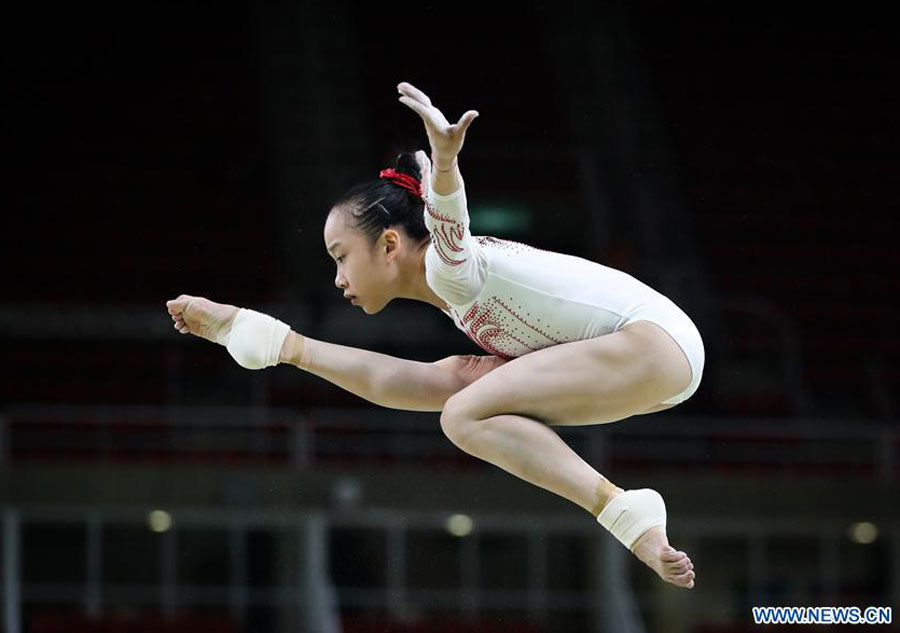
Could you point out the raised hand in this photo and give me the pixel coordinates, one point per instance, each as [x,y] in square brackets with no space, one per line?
[446,140]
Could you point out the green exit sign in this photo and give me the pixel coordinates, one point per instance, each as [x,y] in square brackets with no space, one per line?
[500,218]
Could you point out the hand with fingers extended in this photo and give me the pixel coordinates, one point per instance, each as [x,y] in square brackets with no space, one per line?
[253,339]
[446,140]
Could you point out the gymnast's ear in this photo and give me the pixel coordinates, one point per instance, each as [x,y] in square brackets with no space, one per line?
[390,242]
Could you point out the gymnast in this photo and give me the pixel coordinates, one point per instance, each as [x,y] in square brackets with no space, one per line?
[569,341]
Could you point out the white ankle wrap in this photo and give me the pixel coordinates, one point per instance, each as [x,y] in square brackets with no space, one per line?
[255,339]
[631,513]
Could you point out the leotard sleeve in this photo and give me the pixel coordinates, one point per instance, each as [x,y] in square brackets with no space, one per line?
[455,266]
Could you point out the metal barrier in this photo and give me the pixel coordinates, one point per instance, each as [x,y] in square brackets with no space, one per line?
[384,437]
[308,589]
[306,586]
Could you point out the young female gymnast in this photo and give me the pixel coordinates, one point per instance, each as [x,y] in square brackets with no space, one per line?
[571,342]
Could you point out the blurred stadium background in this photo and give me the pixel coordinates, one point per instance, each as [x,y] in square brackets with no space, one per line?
[743,162]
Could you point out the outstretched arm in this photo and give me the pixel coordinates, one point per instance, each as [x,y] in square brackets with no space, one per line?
[387,381]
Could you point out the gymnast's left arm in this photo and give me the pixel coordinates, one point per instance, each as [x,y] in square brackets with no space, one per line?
[455,267]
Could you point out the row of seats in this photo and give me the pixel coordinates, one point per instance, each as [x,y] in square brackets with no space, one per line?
[793,196]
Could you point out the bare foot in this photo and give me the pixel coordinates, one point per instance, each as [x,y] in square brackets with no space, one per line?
[202,317]
[673,566]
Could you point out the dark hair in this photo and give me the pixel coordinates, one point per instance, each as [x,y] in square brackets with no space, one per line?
[375,205]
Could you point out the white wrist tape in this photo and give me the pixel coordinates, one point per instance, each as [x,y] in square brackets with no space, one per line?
[255,339]
[631,513]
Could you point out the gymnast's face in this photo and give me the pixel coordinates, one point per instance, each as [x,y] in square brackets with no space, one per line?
[366,273]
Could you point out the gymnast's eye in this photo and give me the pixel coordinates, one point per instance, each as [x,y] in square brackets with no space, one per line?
[339,259]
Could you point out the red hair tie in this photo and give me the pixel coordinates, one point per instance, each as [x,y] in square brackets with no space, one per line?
[406,181]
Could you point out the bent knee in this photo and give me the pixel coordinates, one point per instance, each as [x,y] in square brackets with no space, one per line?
[457,422]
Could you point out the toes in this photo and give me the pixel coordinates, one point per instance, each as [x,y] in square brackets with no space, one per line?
[672,565]
[680,567]
[671,556]
[175,306]
[684,580]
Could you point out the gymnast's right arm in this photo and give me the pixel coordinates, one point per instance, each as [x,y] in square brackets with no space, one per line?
[257,340]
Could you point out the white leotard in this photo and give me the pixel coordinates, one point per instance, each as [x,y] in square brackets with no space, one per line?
[512,299]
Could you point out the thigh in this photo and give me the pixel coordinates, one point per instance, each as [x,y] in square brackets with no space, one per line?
[598,380]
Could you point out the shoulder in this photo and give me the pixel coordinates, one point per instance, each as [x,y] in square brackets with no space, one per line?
[456,276]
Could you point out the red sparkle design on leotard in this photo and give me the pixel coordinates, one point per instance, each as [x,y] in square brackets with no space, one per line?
[446,236]
[484,321]
[480,324]
[523,321]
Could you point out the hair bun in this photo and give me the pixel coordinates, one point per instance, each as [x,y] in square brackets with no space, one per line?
[394,199]
[407,164]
